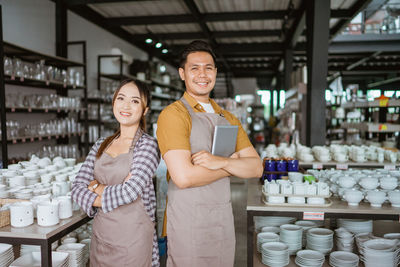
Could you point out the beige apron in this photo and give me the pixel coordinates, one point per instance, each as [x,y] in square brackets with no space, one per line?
[200,225]
[124,236]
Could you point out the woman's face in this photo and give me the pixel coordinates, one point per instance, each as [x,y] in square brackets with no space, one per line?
[128,106]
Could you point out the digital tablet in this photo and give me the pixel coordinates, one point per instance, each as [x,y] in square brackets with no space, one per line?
[224,142]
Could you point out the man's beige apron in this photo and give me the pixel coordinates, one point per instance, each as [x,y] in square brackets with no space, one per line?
[200,225]
[124,236]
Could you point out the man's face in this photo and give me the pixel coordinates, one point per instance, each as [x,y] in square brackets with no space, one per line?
[199,74]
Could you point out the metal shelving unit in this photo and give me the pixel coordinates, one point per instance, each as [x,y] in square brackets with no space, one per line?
[28,55]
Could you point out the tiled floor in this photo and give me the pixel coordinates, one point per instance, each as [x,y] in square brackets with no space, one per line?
[239,199]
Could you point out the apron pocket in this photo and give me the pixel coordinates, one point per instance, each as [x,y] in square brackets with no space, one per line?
[103,254]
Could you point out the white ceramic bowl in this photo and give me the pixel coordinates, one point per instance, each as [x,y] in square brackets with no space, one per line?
[376,198]
[353,197]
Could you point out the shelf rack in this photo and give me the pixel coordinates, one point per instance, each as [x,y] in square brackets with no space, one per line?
[28,55]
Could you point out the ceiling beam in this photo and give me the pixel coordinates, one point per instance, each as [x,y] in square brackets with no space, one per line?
[87,2]
[298,26]
[203,25]
[357,7]
[200,35]
[208,17]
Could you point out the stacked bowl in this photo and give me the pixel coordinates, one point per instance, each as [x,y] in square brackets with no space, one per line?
[320,239]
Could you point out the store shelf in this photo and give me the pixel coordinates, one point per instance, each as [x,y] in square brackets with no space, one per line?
[54,85]
[372,104]
[41,110]
[30,139]
[25,54]
[121,77]
[98,100]
[162,96]
[350,164]
[372,127]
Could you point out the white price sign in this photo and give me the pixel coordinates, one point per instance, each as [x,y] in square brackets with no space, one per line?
[342,166]
[317,166]
[389,167]
[314,216]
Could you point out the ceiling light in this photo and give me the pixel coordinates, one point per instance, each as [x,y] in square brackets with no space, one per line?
[149,41]
[164,51]
[158,45]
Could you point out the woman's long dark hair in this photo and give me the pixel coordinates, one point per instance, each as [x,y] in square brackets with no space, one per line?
[144,91]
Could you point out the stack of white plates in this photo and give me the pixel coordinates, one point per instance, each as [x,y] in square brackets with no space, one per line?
[380,252]
[28,249]
[356,226]
[33,259]
[265,238]
[305,225]
[343,259]
[24,194]
[392,236]
[361,238]
[291,235]
[76,253]
[309,258]
[320,239]
[262,221]
[6,254]
[4,194]
[86,252]
[344,240]
[275,254]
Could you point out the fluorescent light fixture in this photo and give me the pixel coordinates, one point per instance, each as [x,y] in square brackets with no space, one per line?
[164,51]
[158,45]
[149,41]
[163,68]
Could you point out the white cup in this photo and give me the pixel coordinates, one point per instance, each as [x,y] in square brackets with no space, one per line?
[21,214]
[60,188]
[47,213]
[65,207]
[62,177]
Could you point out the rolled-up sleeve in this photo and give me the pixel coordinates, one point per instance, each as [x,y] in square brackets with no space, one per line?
[80,192]
[146,158]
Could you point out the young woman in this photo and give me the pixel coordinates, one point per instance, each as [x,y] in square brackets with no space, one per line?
[114,185]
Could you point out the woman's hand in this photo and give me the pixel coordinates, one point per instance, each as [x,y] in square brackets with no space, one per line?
[127,177]
[96,187]
[92,186]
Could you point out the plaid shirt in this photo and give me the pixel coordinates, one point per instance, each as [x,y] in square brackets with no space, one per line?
[146,157]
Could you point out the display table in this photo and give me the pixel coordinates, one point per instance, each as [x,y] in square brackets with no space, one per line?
[42,236]
[338,209]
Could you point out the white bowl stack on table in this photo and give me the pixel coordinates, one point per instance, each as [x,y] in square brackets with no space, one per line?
[320,239]
[33,259]
[291,235]
[6,254]
[309,258]
[343,259]
[275,254]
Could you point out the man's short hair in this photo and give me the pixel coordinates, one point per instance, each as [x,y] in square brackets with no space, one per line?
[195,46]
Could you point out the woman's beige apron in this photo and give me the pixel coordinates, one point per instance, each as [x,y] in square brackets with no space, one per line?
[200,225]
[124,236]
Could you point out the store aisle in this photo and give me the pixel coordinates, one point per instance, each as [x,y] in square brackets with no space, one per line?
[239,199]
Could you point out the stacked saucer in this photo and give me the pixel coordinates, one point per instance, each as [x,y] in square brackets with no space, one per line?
[24,194]
[33,259]
[356,226]
[291,235]
[320,239]
[76,253]
[262,221]
[309,258]
[6,254]
[265,238]
[86,252]
[380,252]
[305,225]
[275,254]
[344,240]
[28,249]
[343,259]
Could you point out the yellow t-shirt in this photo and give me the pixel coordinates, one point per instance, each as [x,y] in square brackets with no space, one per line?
[174,125]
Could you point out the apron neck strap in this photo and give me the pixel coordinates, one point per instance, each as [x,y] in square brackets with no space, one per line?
[188,107]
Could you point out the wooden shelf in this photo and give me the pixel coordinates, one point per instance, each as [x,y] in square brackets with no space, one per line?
[372,104]
[30,139]
[40,110]
[56,85]
[372,127]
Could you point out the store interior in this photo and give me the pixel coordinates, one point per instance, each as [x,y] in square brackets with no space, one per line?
[315,84]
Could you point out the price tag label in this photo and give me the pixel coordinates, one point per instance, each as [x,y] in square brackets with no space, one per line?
[49,137]
[14,141]
[389,167]
[314,216]
[57,136]
[13,77]
[342,166]
[12,109]
[383,102]
[382,127]
[47,83]
[29,109]
[21,79]
[32,139]
[40,138]
[317,166]
[23,140]
[46,110]
[58,110]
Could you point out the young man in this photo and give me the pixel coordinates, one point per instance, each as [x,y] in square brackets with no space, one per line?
[199,219]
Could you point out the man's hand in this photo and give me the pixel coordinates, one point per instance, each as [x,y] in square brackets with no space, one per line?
[209,161]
